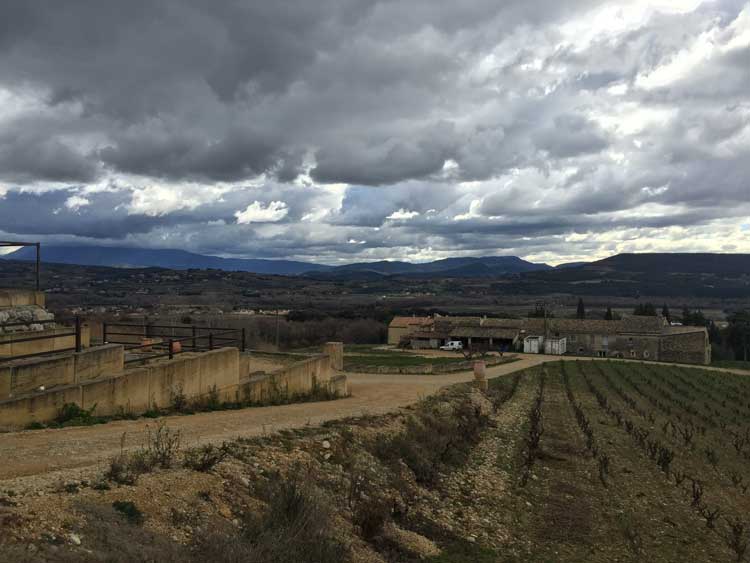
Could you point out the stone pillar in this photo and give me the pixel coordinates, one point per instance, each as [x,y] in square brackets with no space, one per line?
[480,375]
[335,351]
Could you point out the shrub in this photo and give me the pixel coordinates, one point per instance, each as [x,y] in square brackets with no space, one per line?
[161,450]
[204,458]
[434,439]
[129,510]
[296,527]
[163,445]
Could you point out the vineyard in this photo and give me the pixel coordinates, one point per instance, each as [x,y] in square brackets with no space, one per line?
[630,462]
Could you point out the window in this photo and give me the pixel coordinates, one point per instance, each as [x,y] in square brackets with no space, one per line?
[580,350]
[645,354]
[602,353]
[572,337]
[605,341]
[633,354]
[630,340]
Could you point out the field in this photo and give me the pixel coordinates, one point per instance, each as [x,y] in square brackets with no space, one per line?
[569,461]
[631,462]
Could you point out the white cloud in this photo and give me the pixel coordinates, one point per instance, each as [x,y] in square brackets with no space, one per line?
[75,202]
[257,213]
[403,215]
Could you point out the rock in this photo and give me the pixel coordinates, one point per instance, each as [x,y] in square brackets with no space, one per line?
[327,456]
[326,445]
[32,548]
[245,481]
[471,539]
[75,539]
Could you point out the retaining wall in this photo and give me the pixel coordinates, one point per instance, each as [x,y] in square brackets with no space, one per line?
[18,377]
[154,386]
[133,391]
[300,378]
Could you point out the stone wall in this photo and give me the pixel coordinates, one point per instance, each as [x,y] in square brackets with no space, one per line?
[689,348]
[429,369]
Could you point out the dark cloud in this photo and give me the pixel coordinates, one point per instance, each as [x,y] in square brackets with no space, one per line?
[383,128]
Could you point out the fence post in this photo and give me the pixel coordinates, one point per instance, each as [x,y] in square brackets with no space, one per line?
[242,345]
[104,333]
[210,340]
[171,349]
[78,333]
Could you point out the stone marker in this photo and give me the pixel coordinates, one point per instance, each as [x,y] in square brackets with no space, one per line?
[480,375]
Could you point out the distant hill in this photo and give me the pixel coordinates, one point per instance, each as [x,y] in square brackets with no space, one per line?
[682,263]
[657,275]
[447,267]
[123,257]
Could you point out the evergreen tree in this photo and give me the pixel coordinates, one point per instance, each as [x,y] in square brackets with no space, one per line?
[581,312]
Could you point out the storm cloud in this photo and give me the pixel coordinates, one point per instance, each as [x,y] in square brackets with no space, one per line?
[348,129]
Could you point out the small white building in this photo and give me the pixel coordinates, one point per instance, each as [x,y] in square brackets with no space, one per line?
[533,344]
[556,346]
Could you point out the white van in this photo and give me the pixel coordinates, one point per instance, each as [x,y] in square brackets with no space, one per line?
[453,345]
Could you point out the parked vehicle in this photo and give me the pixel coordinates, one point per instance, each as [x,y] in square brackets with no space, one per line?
[453,345]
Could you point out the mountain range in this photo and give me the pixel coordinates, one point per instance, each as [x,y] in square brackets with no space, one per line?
[128,257]
[470,267]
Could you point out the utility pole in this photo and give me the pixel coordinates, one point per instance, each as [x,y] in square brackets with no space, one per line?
[277,329]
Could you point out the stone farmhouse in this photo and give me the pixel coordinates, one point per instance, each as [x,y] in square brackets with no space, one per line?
[635,337]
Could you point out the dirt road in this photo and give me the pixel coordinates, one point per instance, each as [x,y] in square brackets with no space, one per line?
[54,452]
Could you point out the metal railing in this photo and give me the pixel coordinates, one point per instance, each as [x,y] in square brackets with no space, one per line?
[24,336]
[162,342]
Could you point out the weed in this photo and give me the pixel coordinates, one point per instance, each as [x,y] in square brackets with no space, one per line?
[163,445]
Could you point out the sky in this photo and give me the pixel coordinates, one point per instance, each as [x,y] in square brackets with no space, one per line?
[346,130]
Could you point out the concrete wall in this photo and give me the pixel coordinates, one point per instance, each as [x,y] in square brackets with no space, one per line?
[134,390]
[18,377]
[9,348]
[112,391]
[300,378]
[17,297]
